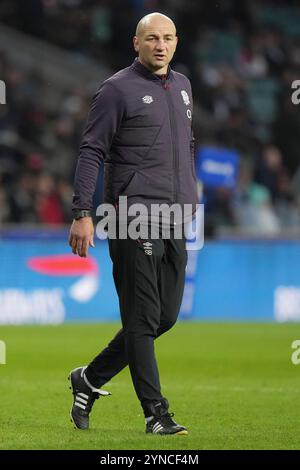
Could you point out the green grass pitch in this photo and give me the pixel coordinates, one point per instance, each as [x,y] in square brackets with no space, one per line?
[233,385]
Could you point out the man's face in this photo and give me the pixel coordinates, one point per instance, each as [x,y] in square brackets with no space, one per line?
[156,44]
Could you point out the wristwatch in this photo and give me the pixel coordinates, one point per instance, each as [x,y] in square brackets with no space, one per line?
[80,213]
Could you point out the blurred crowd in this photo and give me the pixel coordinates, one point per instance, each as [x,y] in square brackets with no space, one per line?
[241,58]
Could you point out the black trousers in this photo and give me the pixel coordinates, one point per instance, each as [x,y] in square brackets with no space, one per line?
[149,278]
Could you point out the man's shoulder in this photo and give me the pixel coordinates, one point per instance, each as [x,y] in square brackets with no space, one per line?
[119,79]
[181,78]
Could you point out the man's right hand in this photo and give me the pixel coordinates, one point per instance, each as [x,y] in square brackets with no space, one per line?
[81,236]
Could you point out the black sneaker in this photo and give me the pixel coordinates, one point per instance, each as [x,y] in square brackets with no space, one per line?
[160,421]
[83,398]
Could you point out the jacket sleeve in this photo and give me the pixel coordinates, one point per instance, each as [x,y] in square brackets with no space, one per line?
[105,116]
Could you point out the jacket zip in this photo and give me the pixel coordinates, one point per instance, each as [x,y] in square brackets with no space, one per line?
[174,141]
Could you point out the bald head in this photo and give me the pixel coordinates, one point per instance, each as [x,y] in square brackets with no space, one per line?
[155,42]
[153,20]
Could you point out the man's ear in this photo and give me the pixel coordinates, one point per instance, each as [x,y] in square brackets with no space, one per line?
[136,44]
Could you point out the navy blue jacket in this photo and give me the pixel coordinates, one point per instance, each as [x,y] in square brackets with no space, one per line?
[139,125]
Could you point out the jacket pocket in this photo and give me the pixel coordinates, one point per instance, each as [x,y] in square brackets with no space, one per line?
[125,185]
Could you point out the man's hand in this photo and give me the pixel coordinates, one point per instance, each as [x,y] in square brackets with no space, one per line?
[81,236]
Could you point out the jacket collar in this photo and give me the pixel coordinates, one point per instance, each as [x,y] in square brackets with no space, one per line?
[141,69]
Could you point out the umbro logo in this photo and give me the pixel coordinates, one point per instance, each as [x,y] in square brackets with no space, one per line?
[148,99]
[147,248]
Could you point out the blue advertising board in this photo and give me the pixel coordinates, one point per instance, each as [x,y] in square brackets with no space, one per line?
[217,167]
[42,282]
[248,280]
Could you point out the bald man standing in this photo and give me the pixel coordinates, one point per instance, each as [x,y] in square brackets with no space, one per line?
[139,126]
